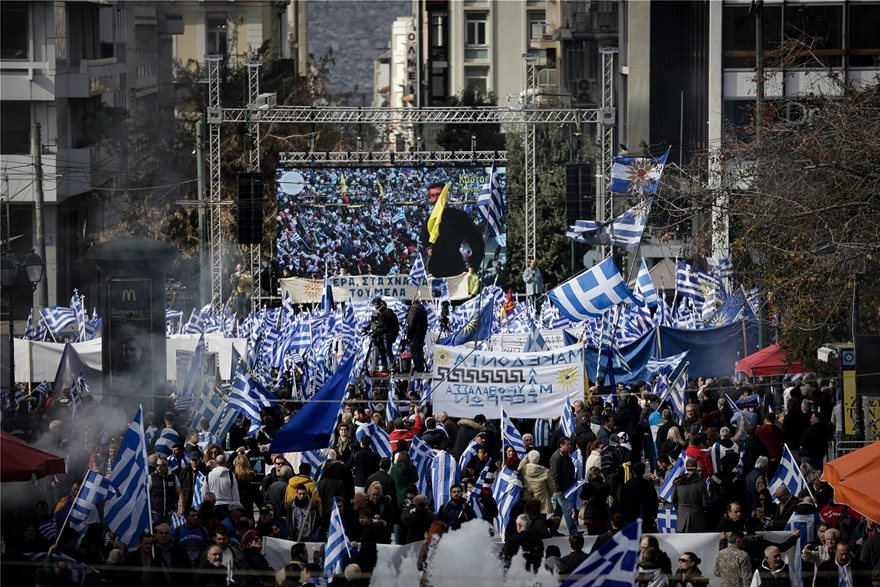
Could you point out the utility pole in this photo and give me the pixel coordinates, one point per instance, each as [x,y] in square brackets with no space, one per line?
[204,270]
[758,7]
[40,234]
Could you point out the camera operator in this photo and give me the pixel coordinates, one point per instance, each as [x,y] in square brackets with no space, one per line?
[416,329]
[384,328]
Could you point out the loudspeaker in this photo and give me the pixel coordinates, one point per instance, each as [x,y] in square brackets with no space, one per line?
[868,365]
[250,208]
[579,201]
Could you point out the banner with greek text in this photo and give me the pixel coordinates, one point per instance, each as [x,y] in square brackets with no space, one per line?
[526,385]
[367,287]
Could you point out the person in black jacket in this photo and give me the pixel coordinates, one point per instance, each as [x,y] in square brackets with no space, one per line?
[444,255]
[638,497]
[384,328]
[525,540]
[843,568]
[416,330]
[562,472]
[363,463]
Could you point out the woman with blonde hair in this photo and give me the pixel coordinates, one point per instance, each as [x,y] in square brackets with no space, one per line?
[248,489]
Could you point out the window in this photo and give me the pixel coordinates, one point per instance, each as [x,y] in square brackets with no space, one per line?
[475,33]
[738,35]
[864,43]
[438,30]
[15,127]
[537,26]
[14,30]
[818,27]
[216,31]
[476,78]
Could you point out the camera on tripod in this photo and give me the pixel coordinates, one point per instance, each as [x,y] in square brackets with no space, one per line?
[444,316]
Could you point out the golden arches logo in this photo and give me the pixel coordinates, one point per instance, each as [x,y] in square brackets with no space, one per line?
[128,295]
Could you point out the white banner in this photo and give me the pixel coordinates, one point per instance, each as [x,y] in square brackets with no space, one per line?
[526,385]
[367,287]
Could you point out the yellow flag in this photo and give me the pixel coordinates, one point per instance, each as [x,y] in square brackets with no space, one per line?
[381,191]
[343,187]
[437,215]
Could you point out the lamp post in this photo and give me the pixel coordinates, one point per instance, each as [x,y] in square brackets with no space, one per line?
[10,266]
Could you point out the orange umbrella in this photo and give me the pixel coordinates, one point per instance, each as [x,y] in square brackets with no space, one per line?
[855,478]
[20,461]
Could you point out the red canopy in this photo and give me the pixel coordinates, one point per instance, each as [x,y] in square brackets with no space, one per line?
[768,361]
[855,478]
[20,461]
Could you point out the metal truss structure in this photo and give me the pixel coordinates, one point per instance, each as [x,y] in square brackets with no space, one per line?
[259,110]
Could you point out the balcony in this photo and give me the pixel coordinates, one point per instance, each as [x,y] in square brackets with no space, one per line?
[92,78]
[599,22]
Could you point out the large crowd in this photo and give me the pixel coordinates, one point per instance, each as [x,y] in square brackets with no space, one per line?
[624,449]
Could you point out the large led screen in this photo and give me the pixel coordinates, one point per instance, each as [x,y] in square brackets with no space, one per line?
[372,220]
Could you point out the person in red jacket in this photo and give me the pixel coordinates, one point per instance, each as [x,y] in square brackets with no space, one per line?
[695,450]
[401,432]
[773,437]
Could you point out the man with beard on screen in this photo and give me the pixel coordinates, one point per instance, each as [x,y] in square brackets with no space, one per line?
[444,256]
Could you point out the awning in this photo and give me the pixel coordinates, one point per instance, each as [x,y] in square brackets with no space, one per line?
[20,462]
[855,478]
[768,361]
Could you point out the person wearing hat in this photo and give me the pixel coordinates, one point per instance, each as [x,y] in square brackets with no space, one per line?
[236,513]
[690,498]
[268,525]
[537,478]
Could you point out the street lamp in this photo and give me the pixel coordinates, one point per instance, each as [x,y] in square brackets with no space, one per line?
[10,267]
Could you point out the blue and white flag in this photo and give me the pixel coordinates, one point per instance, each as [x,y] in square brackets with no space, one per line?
[78,391]
[168,437]
[79,313]
[621,231]
[614,564]
[77,569]
[637,175]
[666,365]
[788,474]
[48,529]
[469,453]
[665,491]
[422,456]
[444,473]
[692,283]
[541,432]
[249,397]
[315,458]
[506,491]
[479,484]
[94,490]
[667,520]
[399,216]
[645,286]
[722,267]
[806,524]
[418,275]
[326,304]
[534,342]
[57,319]
[191,386]
[337,544]
[177,521]
[592,292]
[511,437]
[566,422]
[199,490]
[127,513]
[380,442]
[491,204]
[675,393]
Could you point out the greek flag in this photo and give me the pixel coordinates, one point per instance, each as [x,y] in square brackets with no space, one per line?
[622,231]
[491,204]
[48,529]
[788,474]
[80,314]
[177,521]
[199,490]
[592,292]
[249,397]
[469,453]
[166,441]
[315,458]
[692,283]
[196,322]
[213,408]
[195,378]
[418,275]
[391,411]
[614,564]
[444,472]
[665,491]
[722,267]
[474,496]
[398,217]
[571,494]
[76,569]
[645,286]
[58,319]
[807,524]
[567,421]
[94,490]
[667,520]
[77,391]
[337,544]
[637,175]
[535,342]
[380,442]
[506,491]
[511,436]
[127,513]
[326,304]
[541,432]
[666,365]
[675,393]
[422,456]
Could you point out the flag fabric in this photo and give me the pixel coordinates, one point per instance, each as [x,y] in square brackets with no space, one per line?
[468,454]
[675,393]
[194,380]
[436,216]
[541,432]
[806,524]
[79,314]
[78,570]
[490,204]
[506,491]
[566,422]
[422,455]
[666,365]
[667,520]
[645,286]
[166,440]
[722,267]
[418,275]
[312,426]
[665,491]
[511,436]
[58,319]
[474,494]
[589,294]
[614,564]
[691,282]
[788,474]
[326,304]
[249,396]
[177,521]
[621,231]
[337,544]
[637,175]
[48,529]
[315,458]
[479,327]
[444,473]
[199,490]
[534,342]
[78,391]
[380,442]
[399,216]
[127,513]
[94,489]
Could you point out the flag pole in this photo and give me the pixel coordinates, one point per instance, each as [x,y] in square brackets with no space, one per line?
[146,462]
[69,511]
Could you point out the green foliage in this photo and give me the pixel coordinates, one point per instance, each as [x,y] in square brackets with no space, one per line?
[457,137]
